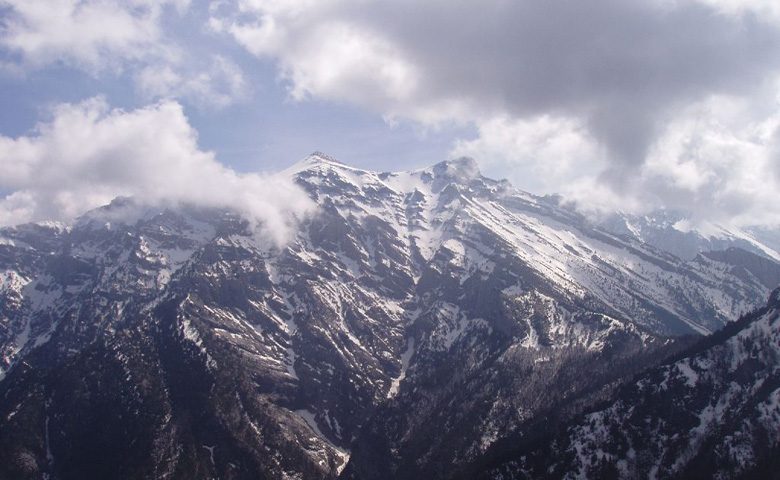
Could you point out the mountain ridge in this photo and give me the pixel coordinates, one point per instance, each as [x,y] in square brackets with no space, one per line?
[710,411]
[410,307]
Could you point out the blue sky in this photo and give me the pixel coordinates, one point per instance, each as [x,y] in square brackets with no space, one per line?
[615,105]
[260,130]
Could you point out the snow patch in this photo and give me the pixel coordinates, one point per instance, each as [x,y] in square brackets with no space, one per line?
[406,357]
[310,420]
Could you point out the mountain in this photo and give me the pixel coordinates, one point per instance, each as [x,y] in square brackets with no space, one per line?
[672,231]
[414,322]
[713,412]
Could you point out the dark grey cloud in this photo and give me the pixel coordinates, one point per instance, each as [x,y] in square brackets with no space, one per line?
[623,66]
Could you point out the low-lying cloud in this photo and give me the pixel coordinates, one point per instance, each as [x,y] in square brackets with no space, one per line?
[89,154]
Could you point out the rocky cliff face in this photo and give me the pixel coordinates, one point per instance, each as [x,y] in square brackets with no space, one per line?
[416,323]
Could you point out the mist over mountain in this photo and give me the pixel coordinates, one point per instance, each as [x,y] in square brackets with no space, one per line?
[425,324]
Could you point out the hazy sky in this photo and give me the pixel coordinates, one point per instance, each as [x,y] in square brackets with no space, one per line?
[616,104]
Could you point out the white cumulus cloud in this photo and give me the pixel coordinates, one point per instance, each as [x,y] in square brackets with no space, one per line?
[89,154]
[91,34]
[717,159]
[217,86]
[120,37]
[538,153]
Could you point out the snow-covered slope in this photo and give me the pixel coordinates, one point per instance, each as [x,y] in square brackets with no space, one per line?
[213,352]
[673,232]
[451,208]
[714,413]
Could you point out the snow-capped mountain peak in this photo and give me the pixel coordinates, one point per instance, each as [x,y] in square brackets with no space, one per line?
[409,304]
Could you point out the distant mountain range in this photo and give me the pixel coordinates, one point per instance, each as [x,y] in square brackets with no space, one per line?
[672,232]
[425,324]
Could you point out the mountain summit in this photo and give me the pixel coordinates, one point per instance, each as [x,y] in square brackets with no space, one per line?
[415,321]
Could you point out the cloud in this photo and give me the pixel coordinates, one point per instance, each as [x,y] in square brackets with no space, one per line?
[715,159]
[544,149]
[92,34]
[651,102]
[766,9]
[436,60]
[334,59]
[218,86]
[609,76]
[89,154]
[118,37]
